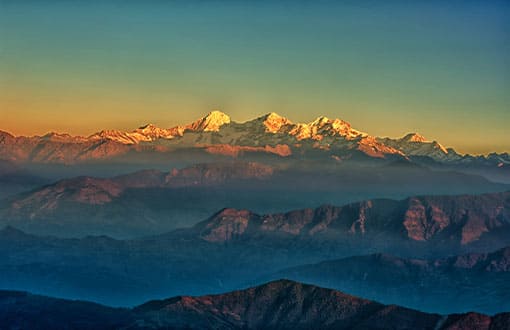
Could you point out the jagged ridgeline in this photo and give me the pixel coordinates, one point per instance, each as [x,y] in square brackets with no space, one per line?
[217,134]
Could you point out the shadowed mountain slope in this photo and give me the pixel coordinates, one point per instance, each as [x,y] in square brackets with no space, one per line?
[473,281]
[276,305]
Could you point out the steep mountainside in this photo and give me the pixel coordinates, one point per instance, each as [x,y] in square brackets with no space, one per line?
[277,305]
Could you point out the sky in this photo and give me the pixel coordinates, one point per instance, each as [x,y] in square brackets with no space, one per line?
[439,68]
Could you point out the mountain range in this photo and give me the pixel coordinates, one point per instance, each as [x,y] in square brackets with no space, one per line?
[461,220]
[154,201]
[118,218]
[237,247]
[217,134]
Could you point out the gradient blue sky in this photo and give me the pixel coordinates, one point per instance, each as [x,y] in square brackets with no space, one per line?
[441,68]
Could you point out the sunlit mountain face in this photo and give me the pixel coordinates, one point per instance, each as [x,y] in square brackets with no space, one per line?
[254,165]
[216,133]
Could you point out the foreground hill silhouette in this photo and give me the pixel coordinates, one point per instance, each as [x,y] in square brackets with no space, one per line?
[281,304]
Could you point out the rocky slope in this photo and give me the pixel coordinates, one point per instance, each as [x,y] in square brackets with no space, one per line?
[461,220]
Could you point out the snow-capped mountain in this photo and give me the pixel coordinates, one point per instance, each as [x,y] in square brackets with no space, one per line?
[210,123]
[414,144]
[216,133]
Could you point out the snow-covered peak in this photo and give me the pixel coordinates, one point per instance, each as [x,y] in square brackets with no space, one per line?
[414,144]
[320,121]
[323,132]
[153,131]
[274,122]
[115,135]
[149,129]
[146,133]
[424,143]
[322,127]
[63,138]
[56,134]
[210,123]
[414,137]
[439,146]
[335,125]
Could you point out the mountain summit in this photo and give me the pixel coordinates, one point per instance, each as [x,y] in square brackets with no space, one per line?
[210,123]
[414,137]
[274,122]
[216,133]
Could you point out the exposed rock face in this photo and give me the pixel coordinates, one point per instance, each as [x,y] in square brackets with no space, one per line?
[359,224]
[459,219]
[226,225]
[306,221]
[421,222]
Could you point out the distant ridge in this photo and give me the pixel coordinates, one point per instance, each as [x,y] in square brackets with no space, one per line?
[216,133]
